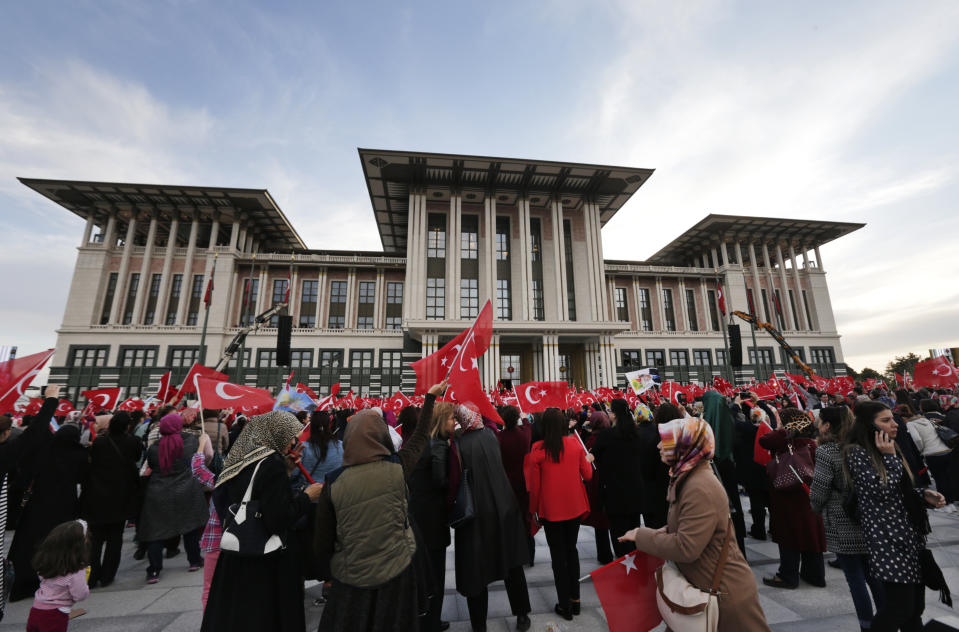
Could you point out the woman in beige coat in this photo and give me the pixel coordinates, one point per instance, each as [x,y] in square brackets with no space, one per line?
[697,524]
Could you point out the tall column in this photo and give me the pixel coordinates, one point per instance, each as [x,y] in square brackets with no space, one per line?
[351,299]
[707,319]
[594,300]
[414,301]
[659,303]
[453,256]
[495,361]
[559,260]
[214,231]
[725,253]
[784,300]
[87,229]
[524,288]
[683,307]
[797,288]
[144,290]
[757,289]
[715,261]
[187,286]
[164,298]
[379,306]
[322,300]
[234,234]
[487,244]
[291,307]
[122,281]
[110,235]
[805,257]
[264,296]
[598,262]
[609,297]
[771,305]
[819,260]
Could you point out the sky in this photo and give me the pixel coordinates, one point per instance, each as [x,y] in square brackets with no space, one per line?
[817,110]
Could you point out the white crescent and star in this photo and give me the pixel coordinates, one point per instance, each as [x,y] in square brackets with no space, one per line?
[106,398]
[529,397]
[629,562]
[222,393]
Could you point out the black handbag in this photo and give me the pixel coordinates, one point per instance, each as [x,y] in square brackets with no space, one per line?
[463,509]
[932,576]
[948,436]
[244,532]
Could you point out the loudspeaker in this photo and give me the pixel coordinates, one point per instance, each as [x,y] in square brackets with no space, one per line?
[284,331]
[735,347]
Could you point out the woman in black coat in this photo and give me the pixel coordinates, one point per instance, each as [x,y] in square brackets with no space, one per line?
[655,473]
[109,496]
[619,460]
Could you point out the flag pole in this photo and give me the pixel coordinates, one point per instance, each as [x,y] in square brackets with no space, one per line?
[722,325]
[208,299]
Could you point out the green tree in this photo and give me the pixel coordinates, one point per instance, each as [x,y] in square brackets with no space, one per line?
[851,372]
[902,364]
[869,374]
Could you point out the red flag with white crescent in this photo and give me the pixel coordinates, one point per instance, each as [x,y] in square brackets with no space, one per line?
[534,397]
[17,375]
[101,399]
[218,394]
[721,297]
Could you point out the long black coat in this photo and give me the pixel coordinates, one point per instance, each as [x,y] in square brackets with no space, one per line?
[428,485]
[619,462]
[751,475]
[109,493]
[495,540]
[655,475]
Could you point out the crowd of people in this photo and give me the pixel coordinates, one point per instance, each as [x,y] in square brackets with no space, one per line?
[366,502]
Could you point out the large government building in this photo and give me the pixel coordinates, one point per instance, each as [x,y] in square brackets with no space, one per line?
[456,231]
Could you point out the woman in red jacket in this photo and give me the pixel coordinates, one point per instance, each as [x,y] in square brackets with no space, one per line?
[555,470]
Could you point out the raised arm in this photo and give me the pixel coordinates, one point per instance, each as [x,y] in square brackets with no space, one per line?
[413,447]
[697,524]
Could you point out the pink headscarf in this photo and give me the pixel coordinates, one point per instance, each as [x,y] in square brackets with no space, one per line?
[171,443]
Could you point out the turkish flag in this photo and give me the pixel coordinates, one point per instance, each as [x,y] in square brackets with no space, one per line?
[935,373]
[217,394]
[399,401]
[760,454]
[774,383]
[329,400]
[900,380]
[723,386]
[535,397]
[101,399]
[33,406]
[165,391]
[16,376]
[763,391]
[671,391]
[134,403]
[64,408]
[627,592]
[797,379]
[721,297]
[197,370]
[303,388]
[347,401]
[464,382]
[434,368]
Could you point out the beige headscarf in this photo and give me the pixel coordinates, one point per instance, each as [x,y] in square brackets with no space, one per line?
[366,439]
[262,436]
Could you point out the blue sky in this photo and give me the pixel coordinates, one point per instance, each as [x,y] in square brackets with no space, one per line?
[841,111]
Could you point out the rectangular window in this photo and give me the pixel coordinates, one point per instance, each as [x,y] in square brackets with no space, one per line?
[679,357]
[503,309]
[338,292]
[539,310]
[655,357]
[367,292]
[391,360]
[713,309]
[691,310]
[570,282]
[436,236]
[502,238]
[233,361]
[131,298]
[632,359]
[138,356]
[280,286]
[337,315]
[301,358]
[822,355]
[308,302]
[622,307]
[469,298]
[152,298]
[394,293]
[266,358]
[701,357]
[765,355]
[721,357]
[394,305]
[179,357]
[336,322]
[792,306]
[196,293]
[435,299]
[364,322]
[645,310]
[364,311]
[394,322]
[361,359]
[668,308]
[108,299]
[88,356]
[251,290]
[469,237]
[331,358]
[805,302]
[535,240]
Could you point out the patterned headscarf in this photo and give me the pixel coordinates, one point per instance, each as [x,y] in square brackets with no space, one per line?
[948,401]
[467,418]
[642,413]
[685,443]
[794,420]
[261,436]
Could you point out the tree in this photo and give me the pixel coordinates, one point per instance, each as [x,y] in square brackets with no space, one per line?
[869,374]
[851,372]
[902,364]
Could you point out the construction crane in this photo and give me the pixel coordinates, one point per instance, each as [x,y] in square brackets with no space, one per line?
[778,337]
[240,338]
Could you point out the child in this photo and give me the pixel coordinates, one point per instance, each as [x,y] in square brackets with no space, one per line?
[61,563]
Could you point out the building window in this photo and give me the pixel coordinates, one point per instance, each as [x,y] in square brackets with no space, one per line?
[364,322]
[722,357]
[394,293]
[280,286]
[394,305]
[645,311]
[338,292]
[196,293]
[364,311]
[679,357]
[251,290]
[469,298]
[301,358]
[691,310]
[88,356]
[138,356]
[336,322]
[361,359]
[131,298]
[152,298]
[331,358]
[713,309]
[668,308]
[108,299]
[504,310]
[367,292]
[765,355]
[469,237]
[391,360]
[394,322]
[436,299]
[337,315]
[502,239]
[570,281]
[536,240]
[805,302]
[622,307]
[701,357]
[632,359]
[266,358]
[792,306]
[822,355]
[308,302]
[233,361]
[436,236]
[655,357]
[539,310]
[178,357]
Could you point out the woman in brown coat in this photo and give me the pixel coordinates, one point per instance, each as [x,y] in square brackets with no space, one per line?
[697,525]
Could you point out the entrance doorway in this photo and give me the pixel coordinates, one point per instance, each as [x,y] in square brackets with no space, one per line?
[511,365]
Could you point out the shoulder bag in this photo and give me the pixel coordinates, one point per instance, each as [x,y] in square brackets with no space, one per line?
[790,471]
[463,509]
[948,436]
[243,530]
[684,607]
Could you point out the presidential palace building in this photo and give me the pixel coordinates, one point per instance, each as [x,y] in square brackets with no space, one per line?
[456,230]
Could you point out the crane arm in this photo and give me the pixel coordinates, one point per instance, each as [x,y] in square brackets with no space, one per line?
[778,337]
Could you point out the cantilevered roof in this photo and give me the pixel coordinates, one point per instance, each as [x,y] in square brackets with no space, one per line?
[256,206]
[707,234]
[390,174]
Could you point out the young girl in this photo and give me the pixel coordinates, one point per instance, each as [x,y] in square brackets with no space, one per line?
[61,563]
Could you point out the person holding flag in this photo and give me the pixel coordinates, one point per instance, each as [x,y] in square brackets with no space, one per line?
[699,538]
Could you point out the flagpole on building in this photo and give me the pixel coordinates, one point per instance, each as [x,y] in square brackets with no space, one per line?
[208,299]
[722,325]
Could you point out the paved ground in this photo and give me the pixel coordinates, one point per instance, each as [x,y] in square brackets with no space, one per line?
[173,605]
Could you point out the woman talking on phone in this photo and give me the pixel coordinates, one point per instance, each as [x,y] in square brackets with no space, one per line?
[892,512]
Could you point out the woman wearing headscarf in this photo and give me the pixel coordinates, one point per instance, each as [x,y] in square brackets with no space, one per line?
[598,423]
[52,466]
[716,414]
[363,527]
[619,462]
[795,527]
[492,546]
[261,592]
[514,444]
[699,525]
[173,503]
[109,496]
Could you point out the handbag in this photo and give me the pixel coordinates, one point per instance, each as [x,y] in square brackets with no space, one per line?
[684,607]
[463,509]
[789,471]
[948,436]
[244,532]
